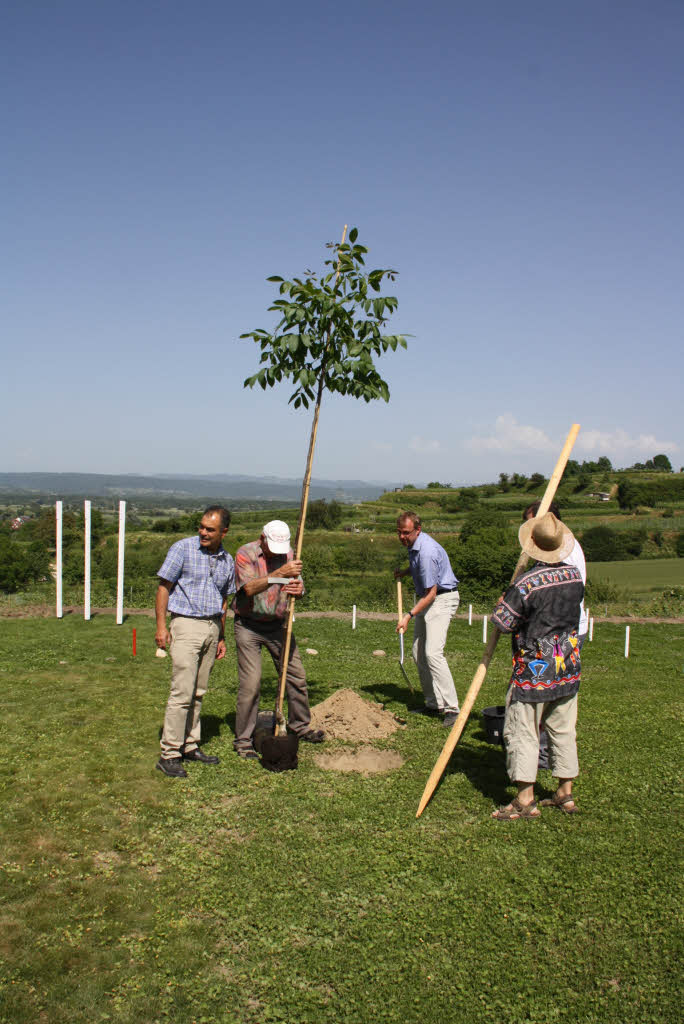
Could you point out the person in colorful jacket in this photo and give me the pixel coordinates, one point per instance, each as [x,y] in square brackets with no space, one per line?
[541,609]
[266,573]
[576,557]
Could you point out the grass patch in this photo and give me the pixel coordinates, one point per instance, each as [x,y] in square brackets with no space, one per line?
[238,896]
[641,576]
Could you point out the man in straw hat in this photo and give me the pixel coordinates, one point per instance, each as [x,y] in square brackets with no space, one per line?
[576,557]
[266,572]
[541,609]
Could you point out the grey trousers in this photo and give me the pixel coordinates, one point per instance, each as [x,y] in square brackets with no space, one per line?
[193,652]
[250,637]
[429,637]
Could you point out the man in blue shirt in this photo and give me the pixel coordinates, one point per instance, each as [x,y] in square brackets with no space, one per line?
[195,580]
[437,601]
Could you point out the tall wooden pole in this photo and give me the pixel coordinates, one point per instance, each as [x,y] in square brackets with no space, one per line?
[478,679]
[279,720]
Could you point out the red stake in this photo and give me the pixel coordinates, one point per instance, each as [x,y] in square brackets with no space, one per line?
[134,648]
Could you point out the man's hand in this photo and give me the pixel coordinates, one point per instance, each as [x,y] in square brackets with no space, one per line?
[296,588]
[220,649]
[400,573]
[162,638]
[290,570]
[402,625]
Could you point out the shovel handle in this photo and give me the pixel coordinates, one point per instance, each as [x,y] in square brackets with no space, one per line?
[400,613]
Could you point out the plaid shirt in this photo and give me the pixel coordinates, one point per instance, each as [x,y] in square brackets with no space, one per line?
[201,581]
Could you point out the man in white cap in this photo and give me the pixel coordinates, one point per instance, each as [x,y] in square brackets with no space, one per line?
[266,573]
[541,609]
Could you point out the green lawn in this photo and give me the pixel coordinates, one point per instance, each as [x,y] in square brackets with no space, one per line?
[640,576]
[241,896]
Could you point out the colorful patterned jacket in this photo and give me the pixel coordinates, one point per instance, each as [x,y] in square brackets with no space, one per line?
[542,609]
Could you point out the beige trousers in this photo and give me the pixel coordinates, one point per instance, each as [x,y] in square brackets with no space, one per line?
[193,652]
[429,637]
[521,737]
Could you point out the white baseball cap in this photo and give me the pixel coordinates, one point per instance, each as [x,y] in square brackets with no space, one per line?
[277,534]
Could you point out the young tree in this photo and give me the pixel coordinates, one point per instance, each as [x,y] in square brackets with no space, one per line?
[328,337]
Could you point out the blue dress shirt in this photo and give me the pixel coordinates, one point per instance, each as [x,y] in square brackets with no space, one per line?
[430,566]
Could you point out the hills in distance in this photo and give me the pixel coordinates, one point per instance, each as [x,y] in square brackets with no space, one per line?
[220,486]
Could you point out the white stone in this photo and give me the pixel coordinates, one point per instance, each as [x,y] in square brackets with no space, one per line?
[161,653]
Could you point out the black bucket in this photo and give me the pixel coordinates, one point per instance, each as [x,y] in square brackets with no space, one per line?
[494,723]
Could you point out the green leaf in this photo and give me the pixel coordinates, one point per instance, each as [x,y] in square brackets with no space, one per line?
[274,278]
[353,234]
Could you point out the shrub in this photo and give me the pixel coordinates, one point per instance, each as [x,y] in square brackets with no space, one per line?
[602,544]
[679,545]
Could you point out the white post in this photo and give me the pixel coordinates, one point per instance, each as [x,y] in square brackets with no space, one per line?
[120,571]
[470,614]
[484,630]
[627,642]
[86,567]
[58,558]
[353,616]
[591,629]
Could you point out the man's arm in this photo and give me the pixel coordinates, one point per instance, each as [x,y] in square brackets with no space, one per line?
[161,604]
[221,647]
[421,605]
[258,584]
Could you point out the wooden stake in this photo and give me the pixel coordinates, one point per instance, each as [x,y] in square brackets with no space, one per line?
[478,679]
[279,720]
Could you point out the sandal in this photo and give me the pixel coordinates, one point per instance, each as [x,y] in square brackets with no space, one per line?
[517,810]
[560,802]
[312,736]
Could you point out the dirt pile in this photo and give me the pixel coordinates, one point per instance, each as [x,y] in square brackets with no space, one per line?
[346,716]
[366,760]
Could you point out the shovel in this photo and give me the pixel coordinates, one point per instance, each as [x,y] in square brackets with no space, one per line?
[401,638]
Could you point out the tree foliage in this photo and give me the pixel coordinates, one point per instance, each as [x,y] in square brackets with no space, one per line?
[330,330]
[21,563]
[324,516]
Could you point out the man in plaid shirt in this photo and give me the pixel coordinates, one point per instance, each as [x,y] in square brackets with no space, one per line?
[195,580]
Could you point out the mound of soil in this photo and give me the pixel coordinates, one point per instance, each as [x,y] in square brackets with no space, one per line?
[366,760]
[346,716]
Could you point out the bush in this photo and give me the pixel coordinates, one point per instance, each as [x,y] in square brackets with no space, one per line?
[324,516]
[679,545]
[21,564]
[602,544]
[486,555]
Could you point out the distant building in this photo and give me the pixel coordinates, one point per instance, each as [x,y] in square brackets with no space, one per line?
[15,524]
[600,495]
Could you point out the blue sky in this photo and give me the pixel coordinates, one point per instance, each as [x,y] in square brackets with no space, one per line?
[520,165]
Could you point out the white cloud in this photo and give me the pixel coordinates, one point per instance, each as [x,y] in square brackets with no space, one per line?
[511,436]
[600,442]
[423,445]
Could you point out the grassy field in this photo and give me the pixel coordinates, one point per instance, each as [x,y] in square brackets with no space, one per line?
[641,576]
[242,897]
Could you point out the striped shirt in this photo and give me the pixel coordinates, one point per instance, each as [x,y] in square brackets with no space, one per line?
[201,580]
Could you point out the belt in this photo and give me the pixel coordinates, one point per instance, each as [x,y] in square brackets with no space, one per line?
[209,618]
[452,591]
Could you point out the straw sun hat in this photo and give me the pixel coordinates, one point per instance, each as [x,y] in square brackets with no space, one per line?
[546,539]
